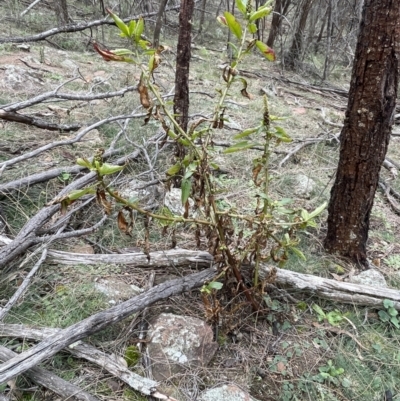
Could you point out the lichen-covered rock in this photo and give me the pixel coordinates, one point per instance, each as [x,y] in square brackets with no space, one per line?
[370,277]
[116,290]
[227,392]
[303,186]
[176,342]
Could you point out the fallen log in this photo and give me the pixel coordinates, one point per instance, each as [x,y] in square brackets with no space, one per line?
[174,257]
[332,290]
[49,380]
[85,351]
[99,321]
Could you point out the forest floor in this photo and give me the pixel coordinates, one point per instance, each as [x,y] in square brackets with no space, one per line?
[308,359]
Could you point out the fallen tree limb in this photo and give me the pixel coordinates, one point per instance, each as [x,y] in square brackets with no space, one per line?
[85,351]
[333,290]
[23,287]
[49,380]
[27,236]
[71,141]
[47,175]
[37,122]
[99,321]
[55,94]
[174,257]
[76,28]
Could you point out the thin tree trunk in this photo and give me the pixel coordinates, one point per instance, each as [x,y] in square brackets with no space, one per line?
[328,41]
[366,131]
[61,12]
[280,10]
[202,16]
[181,98]
[157,28]
[296,48]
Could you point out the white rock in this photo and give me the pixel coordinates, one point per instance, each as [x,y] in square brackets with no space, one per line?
[369,277]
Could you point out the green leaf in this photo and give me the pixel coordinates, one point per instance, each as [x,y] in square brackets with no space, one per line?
[241,5]
[260,13]
[186,187]
[174,169]
[334,318]
[84,163]
[233,25]
[215,285]
[346,383]
[120,24]
[252,28]
[239,146]
[388,303]
[392,312]
[245,133]
[320,312]
[267,52]
[383,316]
[281,134]
[298,253]
[304,215]
[131,27]
[78,193]
[318,211]
[395,322]
[139,29]
[122,52]
[107,169]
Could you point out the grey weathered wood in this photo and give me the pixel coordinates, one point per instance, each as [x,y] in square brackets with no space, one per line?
[51,381]
[172,257]
[99,321]
[85,351]
[333,290]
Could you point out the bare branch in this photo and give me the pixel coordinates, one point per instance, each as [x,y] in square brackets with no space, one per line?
[99,321]
[75,28]
[37,122]
[49,380]
[23,287]
[64,96]
[77,138]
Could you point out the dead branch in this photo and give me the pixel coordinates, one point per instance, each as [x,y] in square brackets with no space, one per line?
[333,290]
[174,257]
[64,96]
[23,287]
[46,175]
[77,138]
[28,234]
[49,380]
[37,122]
[99,321]
[76,28]
[89,353]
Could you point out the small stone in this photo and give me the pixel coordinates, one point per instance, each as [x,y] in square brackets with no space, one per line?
[227,392]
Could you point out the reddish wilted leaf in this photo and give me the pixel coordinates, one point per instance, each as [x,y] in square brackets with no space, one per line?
[144,94]
[123,224]
[107,54]
[222,20]
[102,201]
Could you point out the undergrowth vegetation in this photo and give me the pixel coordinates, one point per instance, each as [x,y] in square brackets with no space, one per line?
[245,208]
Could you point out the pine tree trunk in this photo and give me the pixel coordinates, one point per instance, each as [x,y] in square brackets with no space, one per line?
[366,131]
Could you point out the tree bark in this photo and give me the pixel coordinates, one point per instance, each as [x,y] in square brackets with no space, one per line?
[181,98]
[280,10]
[157,28]
[61,12]
[366,131]
[296,48]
